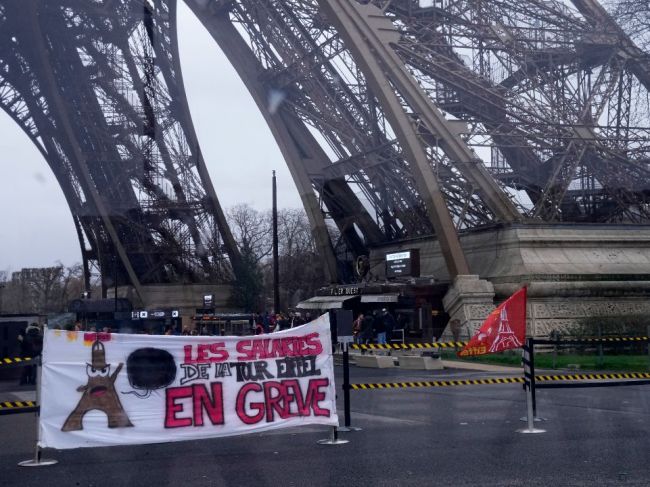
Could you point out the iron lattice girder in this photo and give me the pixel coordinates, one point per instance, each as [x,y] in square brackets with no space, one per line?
[330,95]
[526,93]
[555,93]
[526,131]
[309,155]
[536,97]
[102,86]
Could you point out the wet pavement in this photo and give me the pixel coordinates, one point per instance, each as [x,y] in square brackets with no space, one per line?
[456,436]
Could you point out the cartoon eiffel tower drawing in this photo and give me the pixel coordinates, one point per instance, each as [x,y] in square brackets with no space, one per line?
[506,338]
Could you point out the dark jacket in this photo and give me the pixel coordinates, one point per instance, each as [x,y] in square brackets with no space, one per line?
[367,327]
[379,325]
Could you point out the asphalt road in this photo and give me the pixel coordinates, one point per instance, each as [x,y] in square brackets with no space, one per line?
[462,436]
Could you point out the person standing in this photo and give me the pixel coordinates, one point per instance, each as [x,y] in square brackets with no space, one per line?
[389,324]
[357,327]
[266,322]
[297,320]
[283,322]
[31,345]
[367,329]
[379,328]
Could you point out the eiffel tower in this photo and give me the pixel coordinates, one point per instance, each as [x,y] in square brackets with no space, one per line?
[401,122]
[506,338]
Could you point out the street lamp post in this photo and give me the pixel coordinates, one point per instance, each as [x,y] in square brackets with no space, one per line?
[276,271]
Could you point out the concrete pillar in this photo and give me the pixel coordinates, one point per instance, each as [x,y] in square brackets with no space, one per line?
[469,300]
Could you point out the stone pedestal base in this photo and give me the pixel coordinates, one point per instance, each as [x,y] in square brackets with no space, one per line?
[468,302]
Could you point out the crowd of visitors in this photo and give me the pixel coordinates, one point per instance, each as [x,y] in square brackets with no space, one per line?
[377,326]
[269,322]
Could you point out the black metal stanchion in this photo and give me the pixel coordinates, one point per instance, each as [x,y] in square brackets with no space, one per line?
[334,432]
[648,345]
[528,381]
[346,390]
[333,439]
[37,461]
[531,356]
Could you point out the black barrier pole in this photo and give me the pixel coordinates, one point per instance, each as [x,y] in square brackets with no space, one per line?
[346,384]
[531,348]
[38,461]
[529,373]
[334,431]
[333,439]
[648,346]
[528,386]
[346,390]
[601,359]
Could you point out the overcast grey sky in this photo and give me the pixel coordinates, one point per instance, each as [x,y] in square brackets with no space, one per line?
[37,228]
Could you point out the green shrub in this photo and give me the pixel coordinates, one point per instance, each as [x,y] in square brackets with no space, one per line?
[624,325]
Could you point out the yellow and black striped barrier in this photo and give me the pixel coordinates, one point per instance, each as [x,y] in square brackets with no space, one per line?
[438,383]
[503,380]
[15,361]
[537,341]
[16,407]
[587,341]
[617,376]
[407,346]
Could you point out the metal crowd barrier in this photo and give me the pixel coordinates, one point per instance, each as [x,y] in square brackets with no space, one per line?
[16,361]
[529,380]
[17,407]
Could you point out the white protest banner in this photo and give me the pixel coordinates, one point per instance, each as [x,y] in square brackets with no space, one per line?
[117,389]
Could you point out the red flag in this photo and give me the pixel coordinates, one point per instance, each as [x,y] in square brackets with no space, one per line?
[504,329]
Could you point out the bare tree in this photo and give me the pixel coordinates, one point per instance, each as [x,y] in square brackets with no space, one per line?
[634,17]
[301,271]
[44,290]
[252,232]
[251,229]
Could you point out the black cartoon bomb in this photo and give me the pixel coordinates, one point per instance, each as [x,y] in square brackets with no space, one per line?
[99,393]
[149,369]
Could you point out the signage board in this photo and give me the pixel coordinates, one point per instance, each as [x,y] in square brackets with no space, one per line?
[154,314]
[405,263]
[344,291]
[344,326]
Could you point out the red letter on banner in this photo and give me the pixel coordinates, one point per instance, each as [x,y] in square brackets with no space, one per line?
[315,395]
[277,402]
[214,406]
[241,404]
[172,407]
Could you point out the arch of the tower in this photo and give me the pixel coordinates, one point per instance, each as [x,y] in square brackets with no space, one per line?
[399,120]
[98,89]
[404,119]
